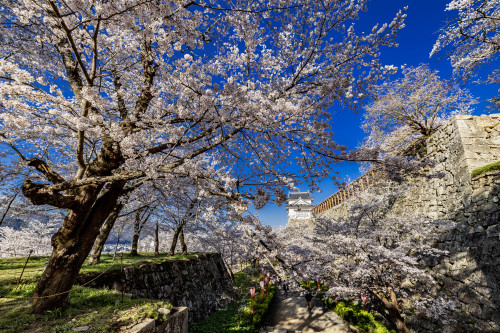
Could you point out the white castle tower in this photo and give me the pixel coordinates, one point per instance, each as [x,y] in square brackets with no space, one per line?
[299,208]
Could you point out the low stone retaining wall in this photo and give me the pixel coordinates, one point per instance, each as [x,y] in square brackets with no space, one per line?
[201,284]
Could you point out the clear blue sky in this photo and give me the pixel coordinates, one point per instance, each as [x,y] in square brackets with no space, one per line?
[425,18]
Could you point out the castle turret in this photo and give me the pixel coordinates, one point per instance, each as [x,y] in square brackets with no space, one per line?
[299,208]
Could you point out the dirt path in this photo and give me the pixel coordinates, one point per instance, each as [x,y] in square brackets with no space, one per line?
[291,314]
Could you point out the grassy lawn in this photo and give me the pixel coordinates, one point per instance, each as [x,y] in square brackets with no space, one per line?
[102,310]
[11,268]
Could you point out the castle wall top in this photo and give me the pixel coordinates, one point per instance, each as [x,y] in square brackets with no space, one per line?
[460,146]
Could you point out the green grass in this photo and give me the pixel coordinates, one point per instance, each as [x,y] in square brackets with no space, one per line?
[11,268]
[237,316]
[486,168]
[101,309]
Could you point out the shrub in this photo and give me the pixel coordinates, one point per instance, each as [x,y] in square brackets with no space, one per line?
[358,317]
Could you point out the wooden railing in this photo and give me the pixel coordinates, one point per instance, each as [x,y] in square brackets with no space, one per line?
[360,184]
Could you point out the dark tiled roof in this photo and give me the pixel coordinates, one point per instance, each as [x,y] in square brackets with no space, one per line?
[299,195]
[301,206]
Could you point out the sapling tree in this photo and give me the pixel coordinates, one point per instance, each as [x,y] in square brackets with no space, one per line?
[406,111]
[96,94]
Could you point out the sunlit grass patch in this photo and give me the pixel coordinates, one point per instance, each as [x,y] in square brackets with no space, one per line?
[100,309]
[486,168]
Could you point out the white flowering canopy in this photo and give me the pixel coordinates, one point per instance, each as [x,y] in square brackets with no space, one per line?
[473,36]
[228,93]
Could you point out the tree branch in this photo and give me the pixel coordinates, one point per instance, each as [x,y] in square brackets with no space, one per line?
[38,195]
[44,168]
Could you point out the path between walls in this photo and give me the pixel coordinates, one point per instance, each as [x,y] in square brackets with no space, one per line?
[290,314]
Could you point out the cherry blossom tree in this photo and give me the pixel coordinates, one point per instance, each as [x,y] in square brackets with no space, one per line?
[106,228]
[177,210]
[99,94]
[35,235]
[374,251]
[408,110]
[472,38]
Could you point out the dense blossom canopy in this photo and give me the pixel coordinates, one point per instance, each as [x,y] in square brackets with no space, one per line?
[408,110]
[214,90]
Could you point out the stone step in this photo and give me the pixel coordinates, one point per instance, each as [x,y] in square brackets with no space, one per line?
[278,330]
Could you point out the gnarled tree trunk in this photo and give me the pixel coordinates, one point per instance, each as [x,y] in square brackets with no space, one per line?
[72,243]
[95,256]
[392,307]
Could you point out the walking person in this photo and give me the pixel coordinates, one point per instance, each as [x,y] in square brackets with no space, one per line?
[308,297]
[285,289]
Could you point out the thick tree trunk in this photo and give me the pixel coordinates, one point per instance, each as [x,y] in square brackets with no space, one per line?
[183,244]
[95,256]
[174,241]
[157,240]
[72,244]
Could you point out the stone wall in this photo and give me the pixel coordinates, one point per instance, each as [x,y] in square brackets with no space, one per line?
[201,284]
[471,271]
[462,145]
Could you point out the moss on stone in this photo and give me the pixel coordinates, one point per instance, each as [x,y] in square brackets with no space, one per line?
[486,168]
